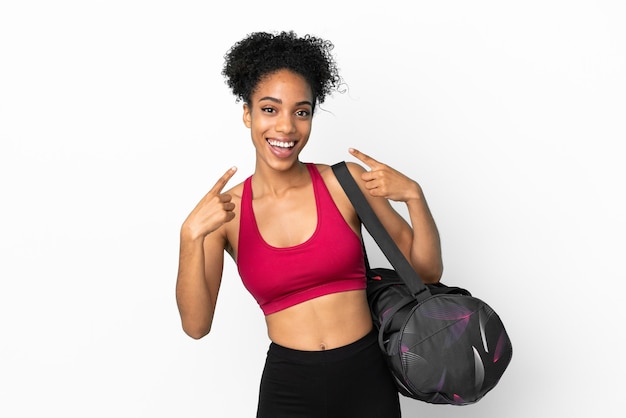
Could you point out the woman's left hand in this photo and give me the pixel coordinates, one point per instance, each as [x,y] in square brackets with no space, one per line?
[384,181]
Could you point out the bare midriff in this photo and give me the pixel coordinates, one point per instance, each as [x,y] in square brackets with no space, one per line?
[323,323]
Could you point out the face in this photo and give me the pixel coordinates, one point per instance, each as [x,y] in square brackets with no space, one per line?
[279,116]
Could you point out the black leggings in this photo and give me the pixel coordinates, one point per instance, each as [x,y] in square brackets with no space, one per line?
[350,381]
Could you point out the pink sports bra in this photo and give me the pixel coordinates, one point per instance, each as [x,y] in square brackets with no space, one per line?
[330,261]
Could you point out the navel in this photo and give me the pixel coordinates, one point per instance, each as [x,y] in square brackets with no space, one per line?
[322,346]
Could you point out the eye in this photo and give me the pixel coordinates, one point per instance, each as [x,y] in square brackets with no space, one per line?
[268,109]
[303,113]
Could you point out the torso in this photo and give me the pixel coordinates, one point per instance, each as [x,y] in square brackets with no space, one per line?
[327,321]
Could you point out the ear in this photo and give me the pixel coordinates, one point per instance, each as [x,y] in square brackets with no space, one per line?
[247,115]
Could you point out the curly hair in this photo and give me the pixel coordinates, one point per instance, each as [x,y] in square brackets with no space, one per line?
[263,53]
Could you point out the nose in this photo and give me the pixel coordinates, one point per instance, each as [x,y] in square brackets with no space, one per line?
[285,123]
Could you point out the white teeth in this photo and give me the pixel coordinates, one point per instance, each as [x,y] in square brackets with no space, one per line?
[281,144]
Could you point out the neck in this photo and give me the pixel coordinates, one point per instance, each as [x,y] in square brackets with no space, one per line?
[268,180]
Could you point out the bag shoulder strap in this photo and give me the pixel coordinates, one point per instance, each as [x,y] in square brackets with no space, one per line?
[377,231]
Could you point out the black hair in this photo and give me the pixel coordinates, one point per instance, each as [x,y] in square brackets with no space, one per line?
[263,53]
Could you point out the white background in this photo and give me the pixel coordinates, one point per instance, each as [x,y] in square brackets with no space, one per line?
[115,120]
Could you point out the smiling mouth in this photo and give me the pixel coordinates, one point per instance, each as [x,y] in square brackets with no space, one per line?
[281,144]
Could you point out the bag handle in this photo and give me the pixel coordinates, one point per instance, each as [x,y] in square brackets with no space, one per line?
[379,233]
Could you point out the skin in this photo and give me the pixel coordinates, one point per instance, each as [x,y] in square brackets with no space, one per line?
[280,111]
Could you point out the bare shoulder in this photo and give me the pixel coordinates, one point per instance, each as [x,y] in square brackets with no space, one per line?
[355,169]
[327,173]
[236,191]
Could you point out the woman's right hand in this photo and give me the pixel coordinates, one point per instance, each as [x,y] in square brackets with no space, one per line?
[214,210]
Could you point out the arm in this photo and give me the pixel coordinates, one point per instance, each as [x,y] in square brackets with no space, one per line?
[419,242]
[201,259]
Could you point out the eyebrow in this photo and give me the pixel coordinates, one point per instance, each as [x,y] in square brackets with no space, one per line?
[275,100]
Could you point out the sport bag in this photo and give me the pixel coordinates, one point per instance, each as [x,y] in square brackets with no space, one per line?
[442,345]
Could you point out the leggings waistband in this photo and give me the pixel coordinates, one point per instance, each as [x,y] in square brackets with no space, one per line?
[334,354]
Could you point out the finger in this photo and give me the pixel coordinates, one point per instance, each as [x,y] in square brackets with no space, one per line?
[223,180]
[368,176]
[229,217]
[366,159]
[224,198]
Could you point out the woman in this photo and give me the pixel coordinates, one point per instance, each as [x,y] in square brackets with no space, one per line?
[296,240]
